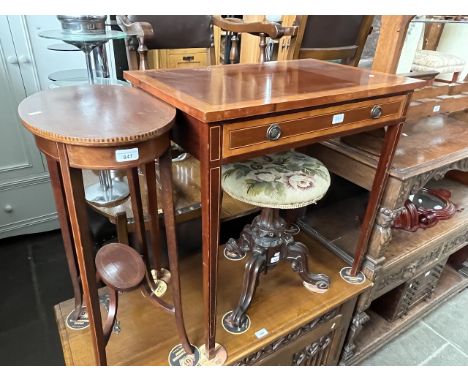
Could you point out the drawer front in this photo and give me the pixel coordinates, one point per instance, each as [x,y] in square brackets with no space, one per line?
[253,135]
[187,60]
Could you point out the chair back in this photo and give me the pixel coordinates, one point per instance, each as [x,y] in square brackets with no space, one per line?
[177,32]
[332,37]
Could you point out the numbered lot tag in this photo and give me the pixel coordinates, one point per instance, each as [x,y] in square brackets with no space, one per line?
[126,155]
[275,258]
[337,118]
[261,333]
[436,108]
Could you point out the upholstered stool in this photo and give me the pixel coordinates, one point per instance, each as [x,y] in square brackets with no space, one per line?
[278,181]
[430,60]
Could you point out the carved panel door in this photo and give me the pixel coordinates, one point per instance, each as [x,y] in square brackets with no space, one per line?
[317,347]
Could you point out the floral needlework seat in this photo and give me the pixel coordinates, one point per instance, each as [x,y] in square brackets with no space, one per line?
[285,180]
[276,181]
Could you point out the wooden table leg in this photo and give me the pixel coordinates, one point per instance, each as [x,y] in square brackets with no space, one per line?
[122,228]
[387,152]
[155,237]
[75,198]
[137,208]
[60,204]
[210,201]
[165,169]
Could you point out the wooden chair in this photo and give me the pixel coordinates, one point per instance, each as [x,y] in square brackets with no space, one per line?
[331,38]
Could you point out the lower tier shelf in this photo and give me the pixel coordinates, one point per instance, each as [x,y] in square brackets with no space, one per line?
[283,311]
[378,331]
[186,184]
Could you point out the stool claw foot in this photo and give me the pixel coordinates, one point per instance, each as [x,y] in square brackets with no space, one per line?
[297,255]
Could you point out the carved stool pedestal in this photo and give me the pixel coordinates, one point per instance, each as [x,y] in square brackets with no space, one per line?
[285,180]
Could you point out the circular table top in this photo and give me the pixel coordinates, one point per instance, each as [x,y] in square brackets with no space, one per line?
[96,115]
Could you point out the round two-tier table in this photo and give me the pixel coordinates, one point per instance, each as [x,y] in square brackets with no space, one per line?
[105,128]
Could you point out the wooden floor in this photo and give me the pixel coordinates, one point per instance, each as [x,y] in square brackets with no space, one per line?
[280,305]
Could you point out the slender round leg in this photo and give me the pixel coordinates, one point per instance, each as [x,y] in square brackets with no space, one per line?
[155,238]
[165,168]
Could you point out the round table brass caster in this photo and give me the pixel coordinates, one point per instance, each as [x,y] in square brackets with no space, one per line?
[234,329]
[179,357]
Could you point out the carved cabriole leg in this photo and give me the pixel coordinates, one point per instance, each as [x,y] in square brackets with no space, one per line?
[355,328]
[60,204]
[253,267]
[75,198]
[297,254]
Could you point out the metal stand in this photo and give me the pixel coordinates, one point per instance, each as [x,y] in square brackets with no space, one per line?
[109,190]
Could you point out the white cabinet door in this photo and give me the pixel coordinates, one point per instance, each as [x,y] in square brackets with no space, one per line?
[26,200]
[19,156]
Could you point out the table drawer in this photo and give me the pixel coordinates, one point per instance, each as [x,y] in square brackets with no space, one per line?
[253,135]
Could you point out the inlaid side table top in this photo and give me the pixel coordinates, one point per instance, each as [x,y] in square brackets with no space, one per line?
[217,93]
[143,117]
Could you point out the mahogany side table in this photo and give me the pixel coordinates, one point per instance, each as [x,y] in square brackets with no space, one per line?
[99,128]
[226,113]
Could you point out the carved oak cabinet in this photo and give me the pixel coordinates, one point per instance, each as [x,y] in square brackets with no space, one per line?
[290,325]
[432,153]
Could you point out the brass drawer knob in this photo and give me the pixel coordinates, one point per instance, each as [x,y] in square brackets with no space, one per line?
[8,208]
[376,112]
[274,132]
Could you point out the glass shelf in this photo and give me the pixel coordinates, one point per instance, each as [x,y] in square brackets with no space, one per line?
[71,75]
[82,37]
[63,48]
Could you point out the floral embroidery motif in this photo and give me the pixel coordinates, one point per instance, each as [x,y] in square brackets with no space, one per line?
[280,177]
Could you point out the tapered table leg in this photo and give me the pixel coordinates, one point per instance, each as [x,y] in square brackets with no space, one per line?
[392,137]
[210,200]
[75,197]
